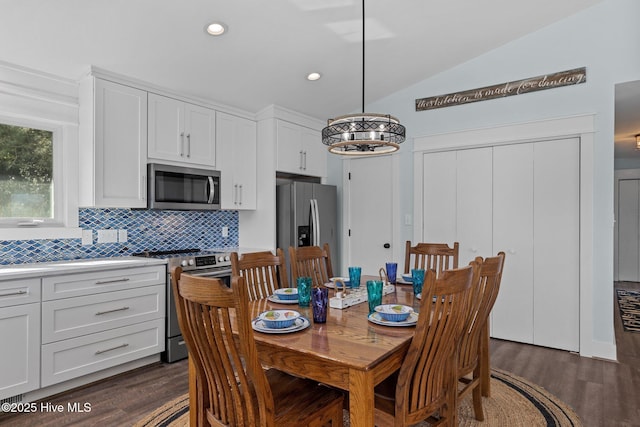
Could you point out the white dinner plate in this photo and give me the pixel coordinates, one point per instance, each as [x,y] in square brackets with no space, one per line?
[377,319]
[299,324]
[274,298]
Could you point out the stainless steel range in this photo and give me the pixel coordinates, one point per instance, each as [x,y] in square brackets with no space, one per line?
[206,263]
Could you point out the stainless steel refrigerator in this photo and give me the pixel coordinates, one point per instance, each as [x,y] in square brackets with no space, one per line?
[307,215]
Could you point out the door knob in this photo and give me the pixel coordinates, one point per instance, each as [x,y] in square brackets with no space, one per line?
[387,246]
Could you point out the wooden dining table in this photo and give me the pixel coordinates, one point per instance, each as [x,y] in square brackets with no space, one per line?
[347,352]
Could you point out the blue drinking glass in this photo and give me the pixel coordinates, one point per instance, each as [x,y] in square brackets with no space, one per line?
[417,276]
[392,271]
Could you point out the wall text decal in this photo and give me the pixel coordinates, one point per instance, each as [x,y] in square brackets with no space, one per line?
[533,84]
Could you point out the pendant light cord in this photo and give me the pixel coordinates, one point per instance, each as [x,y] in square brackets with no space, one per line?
[362,56]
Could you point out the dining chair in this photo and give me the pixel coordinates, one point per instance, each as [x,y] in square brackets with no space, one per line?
[233,389]
[263,272]
[471,356]
[425,387]
[436,256]
[311,261]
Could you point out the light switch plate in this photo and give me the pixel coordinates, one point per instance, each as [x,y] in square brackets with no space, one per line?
[107,236]
[122,236]
[225,231]
[87,237]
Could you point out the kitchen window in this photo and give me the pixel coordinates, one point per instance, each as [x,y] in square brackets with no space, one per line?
[26,175]
[39,146]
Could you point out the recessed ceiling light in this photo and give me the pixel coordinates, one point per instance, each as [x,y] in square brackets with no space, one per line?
[314,76]
[216,29]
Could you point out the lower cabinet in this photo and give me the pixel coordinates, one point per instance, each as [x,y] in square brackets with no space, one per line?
[68,359]
[100,319]
[20,334]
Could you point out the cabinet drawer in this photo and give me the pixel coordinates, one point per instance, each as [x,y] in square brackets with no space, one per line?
[16,292]
[73,285]
[64,360]
[73,317]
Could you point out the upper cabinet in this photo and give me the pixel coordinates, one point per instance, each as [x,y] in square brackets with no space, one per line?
[300,150]
[113,144]
[181,132]
[236,139]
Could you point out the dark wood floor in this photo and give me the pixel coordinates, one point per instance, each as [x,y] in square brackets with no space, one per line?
[603,393]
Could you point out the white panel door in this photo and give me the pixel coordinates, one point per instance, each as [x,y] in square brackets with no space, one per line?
[369,210]
[628,230]
[512,316]
[556,233]
[474,204]
[439,197]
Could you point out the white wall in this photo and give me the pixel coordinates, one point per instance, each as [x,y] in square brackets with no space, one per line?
[604,38]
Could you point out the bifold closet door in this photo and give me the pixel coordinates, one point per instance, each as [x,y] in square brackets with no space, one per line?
[556,243]
[629,230]
[536,222]
[439,197]
[512,315]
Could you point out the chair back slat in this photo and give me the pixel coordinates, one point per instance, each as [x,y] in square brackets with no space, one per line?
[311,261]
[431,256]
[263,272]
[427,378]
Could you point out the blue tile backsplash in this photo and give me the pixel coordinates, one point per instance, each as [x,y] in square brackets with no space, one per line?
[146,230]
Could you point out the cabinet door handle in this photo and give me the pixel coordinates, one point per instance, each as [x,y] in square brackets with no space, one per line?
[112,348]
[188,145]
[240,194]
[13,293]
[100,313]
[181,144]
[305,161]
[300,164]
[104,282]
[181,342]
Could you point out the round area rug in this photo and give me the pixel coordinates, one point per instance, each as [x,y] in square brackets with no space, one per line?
[513,402]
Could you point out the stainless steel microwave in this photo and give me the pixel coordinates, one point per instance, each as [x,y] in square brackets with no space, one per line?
[182,188]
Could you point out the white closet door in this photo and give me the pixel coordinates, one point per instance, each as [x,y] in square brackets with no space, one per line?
[628,230]
[370,205]
[556,231]
[439,197]
[474,204]
[512,316]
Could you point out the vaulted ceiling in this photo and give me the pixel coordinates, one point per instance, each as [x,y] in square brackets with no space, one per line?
[270,46]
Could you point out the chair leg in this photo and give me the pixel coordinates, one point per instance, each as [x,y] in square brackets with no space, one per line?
[477,393]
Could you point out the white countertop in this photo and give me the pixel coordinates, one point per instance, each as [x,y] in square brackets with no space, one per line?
[24,271]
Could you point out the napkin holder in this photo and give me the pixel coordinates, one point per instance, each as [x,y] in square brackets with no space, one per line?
[356,296]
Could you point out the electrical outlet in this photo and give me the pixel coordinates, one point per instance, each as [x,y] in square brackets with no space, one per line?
[122,236]
[225,231]
[87,237]
[107,236]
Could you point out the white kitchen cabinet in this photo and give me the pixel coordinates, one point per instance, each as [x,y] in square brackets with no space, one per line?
[20,333]
[522,199]
[113,144]
[100,319]
[181,132]
[237,160]
[300,150]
